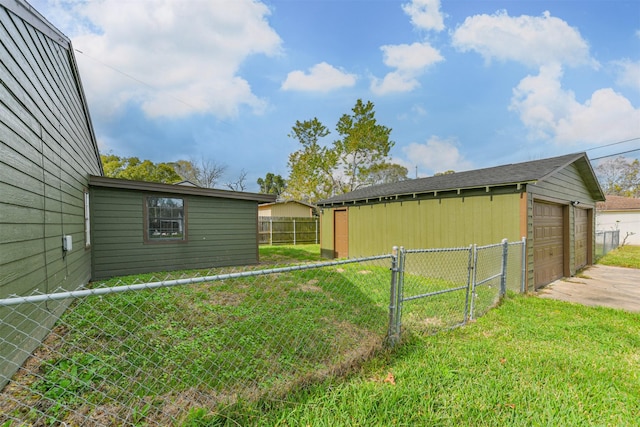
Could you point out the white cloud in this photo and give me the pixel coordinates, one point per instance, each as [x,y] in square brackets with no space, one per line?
[425,14]
[533,41]
[172,58]
[550,112]
[321,78]
[628,73]
[410,61]
[435,155]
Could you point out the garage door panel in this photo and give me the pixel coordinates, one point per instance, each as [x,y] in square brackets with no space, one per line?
[548,226]
[581,218]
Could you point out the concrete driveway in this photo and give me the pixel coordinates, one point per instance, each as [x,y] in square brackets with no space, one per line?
[599,285]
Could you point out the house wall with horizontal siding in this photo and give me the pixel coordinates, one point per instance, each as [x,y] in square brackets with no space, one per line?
[563,187]
[47,152]
[220,232]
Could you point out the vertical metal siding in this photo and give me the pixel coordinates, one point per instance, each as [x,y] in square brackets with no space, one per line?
[431,223]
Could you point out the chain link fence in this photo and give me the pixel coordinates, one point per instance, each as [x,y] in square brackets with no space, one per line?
[606,241]
[138,350]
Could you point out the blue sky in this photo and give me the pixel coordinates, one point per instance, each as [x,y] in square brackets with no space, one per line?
[462,84]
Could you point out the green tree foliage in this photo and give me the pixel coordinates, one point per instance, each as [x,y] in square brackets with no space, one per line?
[359,158]
[364,147]
[311,168]
[619,176]
[384,173]
[272,184]
[138,170]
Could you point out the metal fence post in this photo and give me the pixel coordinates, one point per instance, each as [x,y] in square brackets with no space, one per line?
[400,291]
[270,231]
[392,334]
[294,231]
[470,270]
[523,279]
[503,276]
[474,267]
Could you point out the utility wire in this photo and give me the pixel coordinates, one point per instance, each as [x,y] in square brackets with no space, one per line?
[135,79]
[616,154]
[613,143]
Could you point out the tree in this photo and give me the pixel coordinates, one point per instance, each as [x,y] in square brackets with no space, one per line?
[364,147]
[619,176]
[272,184]
[239,183]
[205,173]
[311,168]
[138,170]
[360,158]
[385,173]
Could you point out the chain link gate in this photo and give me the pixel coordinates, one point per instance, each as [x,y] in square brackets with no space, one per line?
[436,289]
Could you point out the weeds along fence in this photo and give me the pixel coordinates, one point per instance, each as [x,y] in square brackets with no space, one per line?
[606,241]
[193,346]
[288,231]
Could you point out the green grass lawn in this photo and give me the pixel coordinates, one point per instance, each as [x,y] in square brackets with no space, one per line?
[624,256]
[529,362]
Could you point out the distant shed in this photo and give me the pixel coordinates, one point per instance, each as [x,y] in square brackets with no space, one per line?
[287,209]
[141,227]
[549,201]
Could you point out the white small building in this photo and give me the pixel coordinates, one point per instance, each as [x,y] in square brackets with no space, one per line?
[620,213]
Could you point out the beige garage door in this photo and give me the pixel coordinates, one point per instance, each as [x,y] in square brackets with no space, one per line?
[548,243]
[581,217]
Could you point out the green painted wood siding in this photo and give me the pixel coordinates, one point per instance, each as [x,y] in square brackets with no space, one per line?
[429,223]
[47,152]
[220,232]
[563,187]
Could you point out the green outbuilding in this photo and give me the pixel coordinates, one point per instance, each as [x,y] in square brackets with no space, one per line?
[140,227]
[550,201]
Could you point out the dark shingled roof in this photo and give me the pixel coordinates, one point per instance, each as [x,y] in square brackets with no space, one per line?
[512,174]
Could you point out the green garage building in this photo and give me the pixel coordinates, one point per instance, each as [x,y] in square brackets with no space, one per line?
[551,202]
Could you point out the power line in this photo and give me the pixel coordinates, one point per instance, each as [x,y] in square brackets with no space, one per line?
[135,79]
[613,143]
[616,154]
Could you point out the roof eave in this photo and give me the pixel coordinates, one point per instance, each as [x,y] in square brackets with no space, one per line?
[125,184]
[415,194]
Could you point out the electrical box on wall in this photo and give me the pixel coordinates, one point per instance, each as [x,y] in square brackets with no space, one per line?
[67,243]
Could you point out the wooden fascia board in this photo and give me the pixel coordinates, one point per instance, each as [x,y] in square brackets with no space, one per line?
[398,196]
[588,175]
[124,184]
[28,13]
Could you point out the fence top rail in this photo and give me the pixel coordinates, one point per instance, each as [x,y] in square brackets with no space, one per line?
[416,251]
[287,218]
[16,300]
